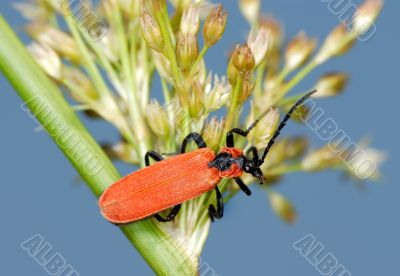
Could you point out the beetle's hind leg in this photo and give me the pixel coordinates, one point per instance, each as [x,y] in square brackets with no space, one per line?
[170,216]
[154,155]
[219,212]
[175,210]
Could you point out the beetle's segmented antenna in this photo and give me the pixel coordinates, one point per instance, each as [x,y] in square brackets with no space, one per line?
[282,124]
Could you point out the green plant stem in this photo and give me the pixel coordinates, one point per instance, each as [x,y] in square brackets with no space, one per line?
[232,108]
[259,80]
[296,79]
[198,60]
[33,86]
[137,119]
[169,47]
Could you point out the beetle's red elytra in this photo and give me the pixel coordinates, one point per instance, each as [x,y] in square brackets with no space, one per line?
[170,182]
[159,186]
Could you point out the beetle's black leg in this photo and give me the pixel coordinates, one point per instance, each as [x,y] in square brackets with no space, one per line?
[155,155]
[170,216]
[243,186]
[229,136]
[175,210]
[253,151]
[219,212]
[196,138]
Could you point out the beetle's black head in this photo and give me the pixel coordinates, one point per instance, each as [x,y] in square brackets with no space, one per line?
[231,162]
[251,166]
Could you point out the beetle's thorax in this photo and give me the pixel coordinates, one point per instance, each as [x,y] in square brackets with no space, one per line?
[229,162]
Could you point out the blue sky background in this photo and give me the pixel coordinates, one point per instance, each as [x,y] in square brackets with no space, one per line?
[40,193]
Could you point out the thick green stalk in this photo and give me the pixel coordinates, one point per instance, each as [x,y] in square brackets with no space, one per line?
[46,102]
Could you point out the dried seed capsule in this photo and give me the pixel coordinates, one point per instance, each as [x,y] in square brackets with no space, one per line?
[214,26]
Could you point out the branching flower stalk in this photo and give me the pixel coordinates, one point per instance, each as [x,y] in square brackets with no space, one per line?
[110,78]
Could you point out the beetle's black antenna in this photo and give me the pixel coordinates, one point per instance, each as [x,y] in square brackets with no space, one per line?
[283,123]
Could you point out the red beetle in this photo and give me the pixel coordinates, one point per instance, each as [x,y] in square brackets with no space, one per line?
[180,178]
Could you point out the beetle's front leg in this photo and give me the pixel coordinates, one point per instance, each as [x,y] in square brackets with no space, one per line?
[196,138]
[242,186]
[219,212]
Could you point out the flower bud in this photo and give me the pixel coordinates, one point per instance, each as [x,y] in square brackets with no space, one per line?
[282,207]
[151,31]
[299,50]
[330,84]
[190,22]
[250,10]
[338,42]
[186,50]
[48,59]
[259,41]
[366,15]
[157,119]
[214,26]
[243,59]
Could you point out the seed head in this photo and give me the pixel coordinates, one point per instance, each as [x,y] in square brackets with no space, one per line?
[282,207]
[195,107]
[163,66]
[321,159]
[232,73]
[247,87]
[212,133]
[75,78]
[122,151]
[366,15]
[48,59]
[295,147]
[186,50]
[214,26]
[338,42]
[250,10]
[190,22]
[151,31]
[264,130]
[243,58]
[331,84]
[59,41]
[275,32]
[157,119]
[299,50]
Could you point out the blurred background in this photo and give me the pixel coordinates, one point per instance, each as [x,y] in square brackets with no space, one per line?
[41,193]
